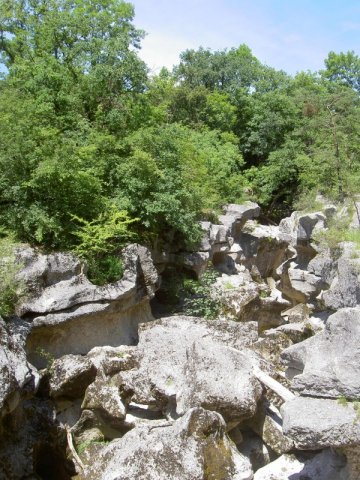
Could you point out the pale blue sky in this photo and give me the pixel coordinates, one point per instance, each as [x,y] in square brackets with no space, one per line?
[292,35]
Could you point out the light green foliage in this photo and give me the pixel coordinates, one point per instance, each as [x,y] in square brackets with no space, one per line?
[47,357]
[343,68]
[100,242]
[198,300]
[11,289]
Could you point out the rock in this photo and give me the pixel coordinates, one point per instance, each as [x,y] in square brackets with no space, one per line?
[235,292]
[326,465]
[193,448]
[267,423]
[314,423]
[300,285]
[104,397]
[235,217]
[67,314]
[18,377]
[344,290]
[196,363]
[70,375]
[262,246]
[253,448]
[297,314]
[328,364]
[215,237]
[194,261]
[300,227]
[33,443]
[111,360]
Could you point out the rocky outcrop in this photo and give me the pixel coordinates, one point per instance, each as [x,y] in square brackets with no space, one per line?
[66,312]
[323,466]
[328,364]
[193,448]
[191,356]
[18,377]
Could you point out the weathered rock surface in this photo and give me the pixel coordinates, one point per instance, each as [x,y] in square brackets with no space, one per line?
[70,376]
[104,397]
[300,227]
[235,216]
[328,364]
[67,313]
[264,247]
[344,290]
[326,465]
[314,423]
[195,362]
[193,448]
[17,377]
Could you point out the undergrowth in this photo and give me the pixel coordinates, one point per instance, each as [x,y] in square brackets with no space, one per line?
[11,288]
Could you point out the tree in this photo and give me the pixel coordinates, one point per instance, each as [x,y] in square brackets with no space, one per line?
[343,68]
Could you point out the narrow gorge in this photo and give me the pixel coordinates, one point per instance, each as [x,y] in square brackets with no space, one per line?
[116,382]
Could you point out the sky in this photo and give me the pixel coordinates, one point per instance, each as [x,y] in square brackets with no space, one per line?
[291,35]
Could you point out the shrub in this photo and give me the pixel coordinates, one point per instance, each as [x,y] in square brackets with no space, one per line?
[11,289]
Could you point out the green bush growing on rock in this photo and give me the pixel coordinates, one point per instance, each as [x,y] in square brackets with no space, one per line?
[11,289]
[100,244]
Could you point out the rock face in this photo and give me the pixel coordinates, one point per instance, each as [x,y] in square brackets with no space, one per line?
[17,377]
[198,364]
[70,375]
[324,466]
[66,312]
[156,399]
[193,448]
[328,364]
[315,423]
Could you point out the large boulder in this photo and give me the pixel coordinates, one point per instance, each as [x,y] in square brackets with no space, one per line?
[192,362]
[235,216]
[326,465]
[70,375]
[264,247]
[193,448]
[18,377]
[314,423]
[344,289]
[328,364]
[71,315]
[300,227]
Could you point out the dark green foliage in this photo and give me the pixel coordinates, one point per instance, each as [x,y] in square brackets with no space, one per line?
[86,135]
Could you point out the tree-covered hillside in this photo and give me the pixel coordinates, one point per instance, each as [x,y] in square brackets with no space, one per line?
[94,151]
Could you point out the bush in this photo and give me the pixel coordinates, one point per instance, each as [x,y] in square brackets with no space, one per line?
[11,289]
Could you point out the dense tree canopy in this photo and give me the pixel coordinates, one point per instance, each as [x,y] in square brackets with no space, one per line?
[90,141]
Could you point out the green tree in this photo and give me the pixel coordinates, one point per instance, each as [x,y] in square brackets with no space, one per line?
[343,68]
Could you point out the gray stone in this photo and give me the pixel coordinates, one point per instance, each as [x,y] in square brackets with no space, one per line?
[314,423]
[344,290]
[18,378]
[267,423]
[70,375]
[67,314]
[188,359]
[328,364]
[104,397]
[253,448]
[235,216]
[193,448]
[326,465]
[300,227]
[262,246]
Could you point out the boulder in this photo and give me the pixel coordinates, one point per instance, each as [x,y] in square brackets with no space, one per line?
[235,293]
[267,423]
[70,375]
[328,364]
[314,423]
[344,290]
[264,247]
[66,314]
[253,448]
[300,227]
[104,397]
[326,465]
[235,216]
[193,448]
[194,362]
[18,377]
